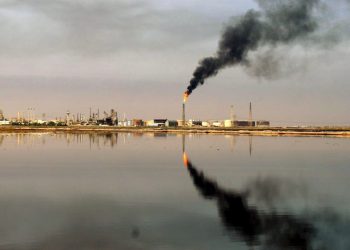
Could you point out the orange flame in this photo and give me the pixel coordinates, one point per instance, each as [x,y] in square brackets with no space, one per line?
[185,158]
[186,96]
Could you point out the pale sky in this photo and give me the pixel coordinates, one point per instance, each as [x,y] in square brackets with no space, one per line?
[138,57]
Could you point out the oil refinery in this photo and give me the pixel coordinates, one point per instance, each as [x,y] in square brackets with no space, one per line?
[97,118]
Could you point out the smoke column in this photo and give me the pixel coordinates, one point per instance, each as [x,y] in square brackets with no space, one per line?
[278,22]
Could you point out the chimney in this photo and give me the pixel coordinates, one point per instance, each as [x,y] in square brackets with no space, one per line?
[183,115]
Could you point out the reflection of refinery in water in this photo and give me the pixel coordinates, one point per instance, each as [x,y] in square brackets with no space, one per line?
[93,139]
[105,140]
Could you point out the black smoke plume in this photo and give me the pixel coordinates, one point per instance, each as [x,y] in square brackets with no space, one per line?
[278,22]
[269,230]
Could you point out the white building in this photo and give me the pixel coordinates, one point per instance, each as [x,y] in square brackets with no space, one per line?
[228,123]
[125,123]
[4,122]
[205,124]
[156,123]
[217,124]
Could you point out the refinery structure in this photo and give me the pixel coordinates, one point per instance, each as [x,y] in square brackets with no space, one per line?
[111,118]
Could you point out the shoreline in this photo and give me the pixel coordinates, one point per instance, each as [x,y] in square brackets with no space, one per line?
[253,131]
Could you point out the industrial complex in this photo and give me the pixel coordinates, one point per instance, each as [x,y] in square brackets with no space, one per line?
[111,119]
[108,122]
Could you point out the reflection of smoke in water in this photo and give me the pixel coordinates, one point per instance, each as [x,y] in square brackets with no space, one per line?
[269,230]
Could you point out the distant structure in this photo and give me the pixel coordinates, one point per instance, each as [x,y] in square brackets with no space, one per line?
[217,124]
[31,114]
[182,122]
[262,123]
[250,115]
[183,114]
[231,122]
[67,118]
[249,123]
[27,117]
[137,123]
[156,123]
[112,119]
[194,123]
[3,121]
[171,123]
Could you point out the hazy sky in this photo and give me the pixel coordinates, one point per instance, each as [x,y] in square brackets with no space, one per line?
[138,56]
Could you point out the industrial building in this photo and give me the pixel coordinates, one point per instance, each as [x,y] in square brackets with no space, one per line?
[244,123]
[171,123]
[131,123]
[262,123]
[3,121]
[137,123]
[110,119]
[156,123]
[228,123]
[181,123]
[193,123]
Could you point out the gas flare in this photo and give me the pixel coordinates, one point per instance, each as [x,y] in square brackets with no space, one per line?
[185,96]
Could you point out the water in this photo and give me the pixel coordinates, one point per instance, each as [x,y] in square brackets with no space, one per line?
[132,191]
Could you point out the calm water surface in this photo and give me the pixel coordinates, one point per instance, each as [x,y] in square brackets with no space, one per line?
[133,191]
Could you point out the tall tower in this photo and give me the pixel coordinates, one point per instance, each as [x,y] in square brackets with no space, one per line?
[183,114]
[67,118]
[250,115]
[185,96]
